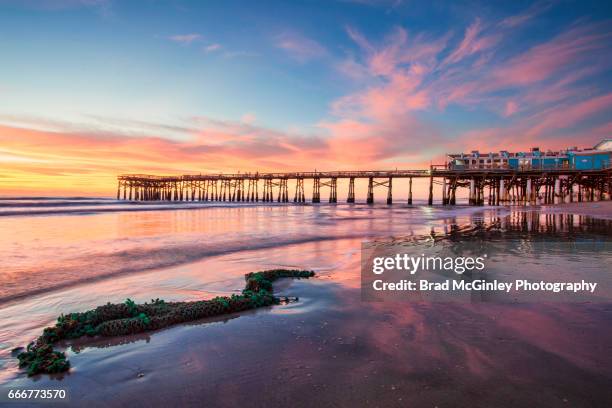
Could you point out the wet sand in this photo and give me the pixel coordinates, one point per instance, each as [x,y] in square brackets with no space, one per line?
[330,349]
[597,209]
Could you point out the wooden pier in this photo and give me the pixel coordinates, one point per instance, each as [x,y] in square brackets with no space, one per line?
[489,186]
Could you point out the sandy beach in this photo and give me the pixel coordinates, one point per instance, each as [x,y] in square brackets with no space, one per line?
[329,347]
[597,209]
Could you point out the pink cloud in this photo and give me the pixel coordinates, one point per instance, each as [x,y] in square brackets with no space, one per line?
[372,142]
[395,69]
[564,117]
[249,118]
[406,74]
[352,69]
[544,60]
[472,43]
[549,73]
[511,108]
[533,11]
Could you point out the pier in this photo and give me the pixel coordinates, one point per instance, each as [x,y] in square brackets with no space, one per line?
[489,186]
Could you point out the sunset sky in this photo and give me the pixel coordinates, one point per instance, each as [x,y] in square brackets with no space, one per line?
[93,88]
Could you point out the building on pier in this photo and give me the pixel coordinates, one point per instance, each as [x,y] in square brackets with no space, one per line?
[598,157]
[589,159]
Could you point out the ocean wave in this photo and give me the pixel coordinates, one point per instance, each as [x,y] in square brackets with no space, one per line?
[104,266]
[104,207]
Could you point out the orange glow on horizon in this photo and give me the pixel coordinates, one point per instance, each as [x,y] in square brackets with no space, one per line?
[35,162]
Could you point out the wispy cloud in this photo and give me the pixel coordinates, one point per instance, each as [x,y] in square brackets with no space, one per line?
[359,38]
[511,108]
[533,11]
[299,47]
[474,41]
[212,47]
[564,51]
[185,39]
[249,118]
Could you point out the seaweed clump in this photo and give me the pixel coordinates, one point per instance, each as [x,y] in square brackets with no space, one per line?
[40,357]
[130,318]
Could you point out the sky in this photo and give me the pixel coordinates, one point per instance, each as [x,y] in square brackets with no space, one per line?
[90,89]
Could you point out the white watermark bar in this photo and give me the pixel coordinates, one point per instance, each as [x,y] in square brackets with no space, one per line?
[511,270]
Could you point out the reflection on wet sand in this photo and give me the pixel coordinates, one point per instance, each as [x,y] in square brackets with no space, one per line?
[526,222]
[79,345]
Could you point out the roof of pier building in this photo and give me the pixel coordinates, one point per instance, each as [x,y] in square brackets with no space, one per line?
[605,144]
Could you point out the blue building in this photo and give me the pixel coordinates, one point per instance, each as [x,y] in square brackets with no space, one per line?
[598,157]
[589,160]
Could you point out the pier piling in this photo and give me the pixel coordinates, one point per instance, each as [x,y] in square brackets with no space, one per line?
[410,191]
